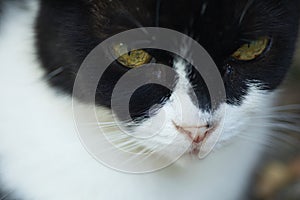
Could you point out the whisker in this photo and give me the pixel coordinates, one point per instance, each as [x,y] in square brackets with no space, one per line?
[247,6]
[286,117]
[285,107]
[108,126]
[149,153]
[116,139]
[112,122]
[125,144]
[5,196]
[288,127]
[144,151]
[53,74]
[111,148]
[133,148]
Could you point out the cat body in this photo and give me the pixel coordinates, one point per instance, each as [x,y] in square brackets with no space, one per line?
[42,156]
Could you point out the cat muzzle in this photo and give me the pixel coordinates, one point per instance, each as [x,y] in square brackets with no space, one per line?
[196,134]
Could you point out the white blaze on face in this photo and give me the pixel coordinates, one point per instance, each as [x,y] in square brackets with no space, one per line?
[179,111]
[227,122]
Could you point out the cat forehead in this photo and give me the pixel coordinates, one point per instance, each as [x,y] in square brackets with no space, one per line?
[215,14]
[217,25]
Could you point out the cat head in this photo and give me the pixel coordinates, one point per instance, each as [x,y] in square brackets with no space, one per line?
[250,41]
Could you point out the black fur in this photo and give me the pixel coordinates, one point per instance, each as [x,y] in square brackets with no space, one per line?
[68,30]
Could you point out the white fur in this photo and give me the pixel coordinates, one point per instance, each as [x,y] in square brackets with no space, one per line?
[42,157]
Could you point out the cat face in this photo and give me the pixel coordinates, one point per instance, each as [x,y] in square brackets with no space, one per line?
[251,42]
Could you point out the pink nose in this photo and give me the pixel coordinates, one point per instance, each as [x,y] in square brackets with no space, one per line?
[195,133]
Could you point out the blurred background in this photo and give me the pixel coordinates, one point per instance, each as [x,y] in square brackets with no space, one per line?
[278,176]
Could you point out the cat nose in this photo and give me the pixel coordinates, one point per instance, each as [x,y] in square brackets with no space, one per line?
[195,133]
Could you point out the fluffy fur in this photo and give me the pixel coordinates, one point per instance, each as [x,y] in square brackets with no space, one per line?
[42,157]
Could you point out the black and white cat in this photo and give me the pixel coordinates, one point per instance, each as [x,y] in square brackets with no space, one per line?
[42,45]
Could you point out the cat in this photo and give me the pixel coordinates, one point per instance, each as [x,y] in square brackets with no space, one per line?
[44,43]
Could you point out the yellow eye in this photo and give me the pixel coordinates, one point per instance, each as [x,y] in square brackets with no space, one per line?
[132,59]
[252,50]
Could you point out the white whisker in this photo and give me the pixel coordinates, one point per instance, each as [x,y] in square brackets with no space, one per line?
[285,107]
